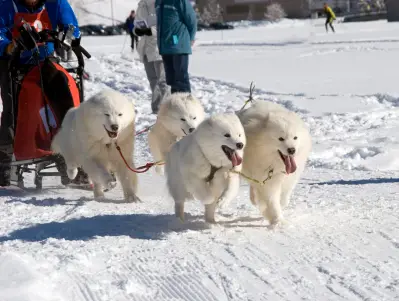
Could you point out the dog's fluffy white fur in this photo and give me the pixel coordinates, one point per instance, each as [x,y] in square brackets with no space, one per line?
[87,139]
[277,139]
[179,114]
[198,165]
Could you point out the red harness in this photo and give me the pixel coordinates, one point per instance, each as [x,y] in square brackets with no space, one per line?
[40,21]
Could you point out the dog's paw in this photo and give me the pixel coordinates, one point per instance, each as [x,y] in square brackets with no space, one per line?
[72,173]
[210,220]
[133,199]
[107,180]
[110,186]
[159,170]
[278,223]
[99,198]
[179,211]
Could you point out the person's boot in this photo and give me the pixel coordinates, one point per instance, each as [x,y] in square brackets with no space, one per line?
[81,178]
[5,168]
[6,152]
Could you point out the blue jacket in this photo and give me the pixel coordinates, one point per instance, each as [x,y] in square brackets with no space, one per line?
[177,26]
[60,14]
[129,24]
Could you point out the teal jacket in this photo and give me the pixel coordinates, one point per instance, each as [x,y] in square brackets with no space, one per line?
[176,26]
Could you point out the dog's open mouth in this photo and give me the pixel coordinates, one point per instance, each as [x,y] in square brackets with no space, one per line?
[110,133]
[289,162]
[232,155]
[185,134]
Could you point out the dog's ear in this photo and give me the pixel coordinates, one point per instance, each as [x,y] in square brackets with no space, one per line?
[254,124]
[210,121]
[190,97]
[267,118]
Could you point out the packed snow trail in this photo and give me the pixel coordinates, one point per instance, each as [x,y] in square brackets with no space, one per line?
[336,248]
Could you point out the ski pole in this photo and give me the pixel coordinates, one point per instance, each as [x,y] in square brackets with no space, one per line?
[124,44]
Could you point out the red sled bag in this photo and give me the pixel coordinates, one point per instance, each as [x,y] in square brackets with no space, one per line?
[44,98]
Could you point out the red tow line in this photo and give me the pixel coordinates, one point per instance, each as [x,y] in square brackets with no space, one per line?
[144,130]
[141,169]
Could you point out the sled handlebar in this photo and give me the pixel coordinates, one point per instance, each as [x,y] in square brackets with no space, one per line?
[30,39]
[62,38]
[65,39]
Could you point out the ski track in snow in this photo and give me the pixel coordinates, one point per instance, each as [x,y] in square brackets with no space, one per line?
[338,246]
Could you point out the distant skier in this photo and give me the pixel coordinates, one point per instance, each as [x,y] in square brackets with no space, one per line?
[330,17]
[129,27]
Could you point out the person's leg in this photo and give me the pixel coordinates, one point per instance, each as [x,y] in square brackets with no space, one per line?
[332,27]
[151,74]
[136,38]
[133,40]
[169,70]
[6,135]
[327,20]
[161,88]
[182,79]
[153,80]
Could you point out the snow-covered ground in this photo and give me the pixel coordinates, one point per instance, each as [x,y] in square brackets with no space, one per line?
[102,11]
[343,239]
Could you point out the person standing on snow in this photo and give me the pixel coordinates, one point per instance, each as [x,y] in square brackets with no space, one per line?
[44,15]
[149,53]
[129,25]
[330,16]
[177,27]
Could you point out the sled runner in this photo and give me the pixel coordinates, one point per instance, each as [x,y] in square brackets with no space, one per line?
[42,93]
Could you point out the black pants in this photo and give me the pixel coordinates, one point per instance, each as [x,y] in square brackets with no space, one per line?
[176,72]
[135,40]
[329,22]
[6,135]
[6,115]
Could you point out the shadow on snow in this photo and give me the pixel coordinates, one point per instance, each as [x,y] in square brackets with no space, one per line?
[138,226]
[359,182]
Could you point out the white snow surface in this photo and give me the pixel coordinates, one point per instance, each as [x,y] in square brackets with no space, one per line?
[102,11]
[342,241]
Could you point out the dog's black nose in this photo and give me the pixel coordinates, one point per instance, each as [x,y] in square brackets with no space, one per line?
[240,145]
[114,127]
[191,130]
[291,150]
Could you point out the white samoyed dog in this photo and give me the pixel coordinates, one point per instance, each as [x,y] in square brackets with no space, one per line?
[198,165]
[179,114]
[277,139]
[88,138]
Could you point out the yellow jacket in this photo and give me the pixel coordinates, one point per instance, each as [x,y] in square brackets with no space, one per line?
[329,12]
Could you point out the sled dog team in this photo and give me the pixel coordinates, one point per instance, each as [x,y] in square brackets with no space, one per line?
[268,144]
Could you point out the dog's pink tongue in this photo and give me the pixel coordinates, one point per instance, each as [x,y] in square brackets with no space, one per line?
[290,164]
[236,159]
[293,164]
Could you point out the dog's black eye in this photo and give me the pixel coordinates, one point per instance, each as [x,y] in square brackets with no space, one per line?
[182,119]
[107,115]
[281,139]
[227,135]
[195,118]
[120,114]
[295,138]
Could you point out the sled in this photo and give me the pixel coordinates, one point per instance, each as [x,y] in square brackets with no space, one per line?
[41,95]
